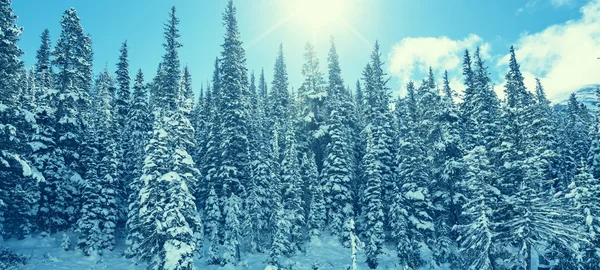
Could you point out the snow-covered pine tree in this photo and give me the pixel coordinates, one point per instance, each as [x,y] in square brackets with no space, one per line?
[181,163]
[138,130]
[233,171]
[581,194]
[339,163]
[477,228]
[337,172]
[100,210]
[263,182]
[263,93]
[481,107]
[575,138]
[259,201]
[232,210]
[182,228]
[43,143]
[312,111]
[316,206]
[211,158]
[186,95]
[142,221]
[47,160]
[10,54]
[413,177]
[527,215]
[72,58]
[281,229]
[373,207]
[120,115]
[380,122]
[169,85]
[355,243]
[197,120]
[43,66]
[291,184]
[542,136]
[279,97]
[213,229]
[449,173]
[593,155]
[19,192]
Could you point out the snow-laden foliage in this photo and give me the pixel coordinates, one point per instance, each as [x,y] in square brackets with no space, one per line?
[434,180]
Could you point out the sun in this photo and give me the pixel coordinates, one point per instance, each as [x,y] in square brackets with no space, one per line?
[316,18]
[318,15]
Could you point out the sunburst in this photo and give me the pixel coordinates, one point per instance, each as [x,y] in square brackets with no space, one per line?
[317,17]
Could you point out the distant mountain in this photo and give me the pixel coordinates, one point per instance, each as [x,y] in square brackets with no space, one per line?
[586,94]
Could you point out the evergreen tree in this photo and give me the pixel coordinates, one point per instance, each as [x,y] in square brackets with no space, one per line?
[143,223]
[279,97]
[19,192]
[232,209]
[263,93]
[212,152]
[481,107]
[477,228]
[292,192]
[72,57]
[233,170]
[312,111]
[187,93]
[337,174]
[43,66]
[99,211]
[280,244]
[581,194]
[137,130]
[48,161]
[168,225]
[593,155]
[263,181]
[168,87]
[120,115]
[414,193]
[123,95]
[379,120]
[316,206]
[542,135]
[213,228]
[181,226]
[576,140]
[373,207]
[10,53]
[448,173]
[260,200]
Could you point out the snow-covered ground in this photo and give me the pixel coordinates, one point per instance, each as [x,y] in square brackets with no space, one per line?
[46,253]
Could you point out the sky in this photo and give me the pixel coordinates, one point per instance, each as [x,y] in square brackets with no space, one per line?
[555,40]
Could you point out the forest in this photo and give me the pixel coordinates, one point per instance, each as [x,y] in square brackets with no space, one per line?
[255,167]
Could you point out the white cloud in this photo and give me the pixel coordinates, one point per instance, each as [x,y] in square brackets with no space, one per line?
[560,3]
[555,3]
[412,57]
[564,56]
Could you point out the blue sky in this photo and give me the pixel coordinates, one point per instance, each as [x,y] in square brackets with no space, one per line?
[555,40]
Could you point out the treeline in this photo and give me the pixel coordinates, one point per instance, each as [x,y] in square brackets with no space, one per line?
[483,183]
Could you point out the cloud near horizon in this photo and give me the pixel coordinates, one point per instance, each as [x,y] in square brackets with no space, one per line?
[564,56]
[411,57]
